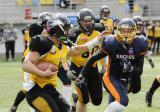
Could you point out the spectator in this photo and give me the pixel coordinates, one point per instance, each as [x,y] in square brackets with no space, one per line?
[9,36]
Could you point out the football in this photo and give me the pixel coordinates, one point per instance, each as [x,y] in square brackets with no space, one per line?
[43,65]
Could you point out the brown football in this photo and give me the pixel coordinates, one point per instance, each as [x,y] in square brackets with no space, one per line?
[43,65]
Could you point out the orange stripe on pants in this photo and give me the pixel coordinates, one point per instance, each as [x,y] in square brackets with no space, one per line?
[111,87]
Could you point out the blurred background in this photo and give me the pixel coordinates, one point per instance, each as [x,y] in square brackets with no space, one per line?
[19,13]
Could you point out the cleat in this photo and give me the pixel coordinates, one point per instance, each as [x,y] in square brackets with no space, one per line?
[75,99]
[13,109]
[149,99]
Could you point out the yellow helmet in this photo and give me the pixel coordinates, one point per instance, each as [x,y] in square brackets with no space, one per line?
[126,30]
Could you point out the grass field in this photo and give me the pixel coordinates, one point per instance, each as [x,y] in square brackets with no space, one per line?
[10,84]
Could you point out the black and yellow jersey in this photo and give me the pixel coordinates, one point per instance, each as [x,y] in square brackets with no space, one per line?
[108,24]
[50,53]
[27,38]
[76,31]
[149,31]
[82,39]
[78,37]
[157,31]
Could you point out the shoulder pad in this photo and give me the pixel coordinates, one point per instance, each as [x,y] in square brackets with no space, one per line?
[108,43]
[73,34]
[142,43]
[99,27]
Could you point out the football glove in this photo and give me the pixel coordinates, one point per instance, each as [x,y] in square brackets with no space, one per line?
[71,75]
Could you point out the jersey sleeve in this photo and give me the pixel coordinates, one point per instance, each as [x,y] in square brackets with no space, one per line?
[106,45]
[35,29]
[144,47]
[35,44]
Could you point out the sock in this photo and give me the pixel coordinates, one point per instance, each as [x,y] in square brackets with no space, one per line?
[115,107]
[154,86]
[19,98]
[67,92]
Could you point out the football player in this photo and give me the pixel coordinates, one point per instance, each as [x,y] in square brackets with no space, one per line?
[126,56]
[140,32]
[37,29]
[154,86]
[156,37]
[150,33]
[105,20]
[41,92]
[85,33]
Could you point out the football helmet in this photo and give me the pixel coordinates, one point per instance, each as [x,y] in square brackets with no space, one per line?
[104,12]
[66,22]
[43,17]
[139,22]
[55,27]
[126,30]
[85,20]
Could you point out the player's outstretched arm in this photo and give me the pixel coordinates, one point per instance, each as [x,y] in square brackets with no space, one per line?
[97,56]
[79,49]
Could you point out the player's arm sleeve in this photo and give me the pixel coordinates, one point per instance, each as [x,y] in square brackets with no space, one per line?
[138,67]
[35,29]
[35,45]
[99,55]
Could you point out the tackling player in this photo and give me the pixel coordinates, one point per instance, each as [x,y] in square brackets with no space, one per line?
[126,57]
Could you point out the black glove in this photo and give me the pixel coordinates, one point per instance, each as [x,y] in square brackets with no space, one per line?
[82,84]
[127,66]
[71,74]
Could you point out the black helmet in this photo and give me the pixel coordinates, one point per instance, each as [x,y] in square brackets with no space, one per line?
[64,19]
[139,22]
[55,27]
[129,25]
[83,15]
[104,12]
[43,17]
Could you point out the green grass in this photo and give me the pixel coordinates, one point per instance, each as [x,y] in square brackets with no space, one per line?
[10,84]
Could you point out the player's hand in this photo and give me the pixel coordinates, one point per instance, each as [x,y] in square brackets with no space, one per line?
[71,75]
[102,35]
[127,66]
[49,73]
[81,82]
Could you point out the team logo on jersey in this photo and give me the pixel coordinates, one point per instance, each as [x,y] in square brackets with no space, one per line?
[53,50]
[130,51]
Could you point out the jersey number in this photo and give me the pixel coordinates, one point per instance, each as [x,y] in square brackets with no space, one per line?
[88,53]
